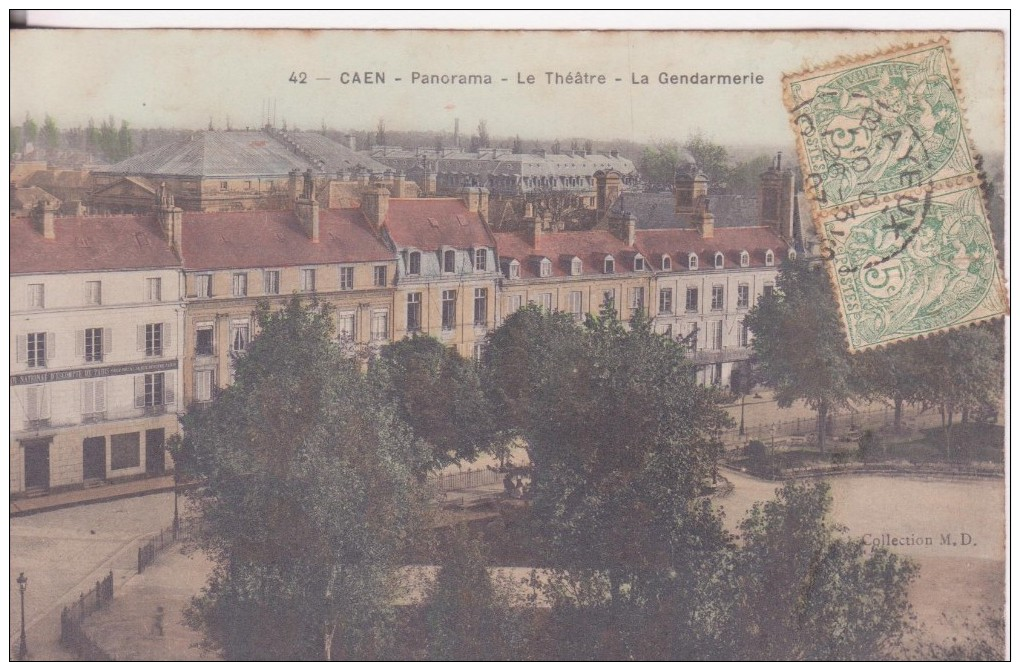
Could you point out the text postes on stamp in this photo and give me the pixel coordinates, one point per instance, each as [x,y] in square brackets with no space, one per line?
[895,195]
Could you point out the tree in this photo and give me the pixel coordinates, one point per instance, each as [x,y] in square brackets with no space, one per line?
[556,147]
[659,162]
[483,134]
[896,373]
[16,144]
[744,178]
[518,146]
[801,590]
[30,129]
[468,615]
[380,132]
[439,395]
[50,132]
[798,343]
[125,148]
[711,157]
[310,494]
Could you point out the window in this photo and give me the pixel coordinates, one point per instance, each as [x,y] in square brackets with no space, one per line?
[637,298]
[743,295]
[745,259]
[717,334]
[575,266]
[154,389]
[514,303]
[346,327]
[767,291]
[153,338]
[667,263]
[36,296]
[380,324]
[153,289]
[204,341]
[203,385]
[719,262]
[93,397]
[93,293]
[609,265]
[414,263]
[39,348]
[203,286]
[37,403]
[692,261]
[692,300]
[545,268]
[717,297]
[240,285]
[308,280]
[247,184]
[271,282]
[481,306]
[743,333]
[770,258]
[449,309]
[717,374]
[449,261]
[574,301]
[223,186]
[666,300]
[481,259]
[346,278]
[92,346]
[545,300]
[240,335]
[124,450]
[639,263]
[515,269]
[413,312]
[380,276]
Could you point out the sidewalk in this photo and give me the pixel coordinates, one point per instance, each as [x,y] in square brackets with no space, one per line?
[133,488]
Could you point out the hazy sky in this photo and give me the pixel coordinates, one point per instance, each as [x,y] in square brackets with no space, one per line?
[182,78]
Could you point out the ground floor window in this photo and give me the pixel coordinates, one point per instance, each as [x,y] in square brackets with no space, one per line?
[124,450]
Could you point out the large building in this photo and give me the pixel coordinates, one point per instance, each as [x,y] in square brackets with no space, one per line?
[96,321]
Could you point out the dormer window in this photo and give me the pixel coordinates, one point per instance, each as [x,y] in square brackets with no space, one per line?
[545,268]
[414,263]
[770,258]
[692,261]
[449,261]
[639,263]
[745,259]
[792,254]
[719,262]
[481,259]
[575,266]
[667,263]
[609,265]
[512,269]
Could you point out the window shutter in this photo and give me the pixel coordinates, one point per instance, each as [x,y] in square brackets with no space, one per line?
[168,387]
[139,390]
[44,402]
[168,338]
[32,403]
[51,346]
[79,343]
[107,341]
[140,338]
[22,351]
[88,393]
[100,401]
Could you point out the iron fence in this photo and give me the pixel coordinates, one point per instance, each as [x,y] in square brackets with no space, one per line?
[466,479]
[73,636]
[159,542]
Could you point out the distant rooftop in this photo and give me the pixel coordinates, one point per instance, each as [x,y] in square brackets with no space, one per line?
[656,210]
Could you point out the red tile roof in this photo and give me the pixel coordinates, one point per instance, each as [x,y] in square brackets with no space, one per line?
[431,223]
[234,240]
[90,243]
[592,246]
[679,243]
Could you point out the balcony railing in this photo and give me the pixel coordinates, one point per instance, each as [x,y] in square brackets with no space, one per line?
[726,355]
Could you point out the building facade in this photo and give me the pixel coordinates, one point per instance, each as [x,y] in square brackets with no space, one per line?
[96,318]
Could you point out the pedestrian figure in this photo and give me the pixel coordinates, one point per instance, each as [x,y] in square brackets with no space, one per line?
[508,485]
[157,623]
[520,488]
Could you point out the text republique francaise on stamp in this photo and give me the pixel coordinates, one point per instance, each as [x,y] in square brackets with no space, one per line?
[895,194]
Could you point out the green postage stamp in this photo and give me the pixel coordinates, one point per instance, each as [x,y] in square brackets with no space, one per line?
[895,194]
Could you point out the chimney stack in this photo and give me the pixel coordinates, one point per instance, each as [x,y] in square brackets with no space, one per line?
[630,229]
[352,141]
[44,219]
[171,218]
[399,180]
[476,199]
[533,225]
[375,204]
[306,208]
[705,221]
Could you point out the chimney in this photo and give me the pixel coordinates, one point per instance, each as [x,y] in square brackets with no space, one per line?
[292,184]
[307,211]
[352,141]
[375,204]
[532,225]
[476,199]
[399,180]
[705,221]
[44,219]
[171,218]
[630,228]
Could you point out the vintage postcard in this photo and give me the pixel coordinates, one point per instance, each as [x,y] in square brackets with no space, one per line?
[507,344]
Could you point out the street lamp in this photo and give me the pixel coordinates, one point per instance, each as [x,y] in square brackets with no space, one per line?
[23,646]
[177,519]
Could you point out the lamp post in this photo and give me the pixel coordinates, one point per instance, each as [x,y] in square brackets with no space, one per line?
[23,646]
[177,519]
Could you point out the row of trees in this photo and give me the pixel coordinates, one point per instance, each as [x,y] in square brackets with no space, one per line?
[800,351]
[316,481]
[113,143]
[659,162]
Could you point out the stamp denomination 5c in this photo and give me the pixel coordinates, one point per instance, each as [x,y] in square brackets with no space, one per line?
[895,194]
